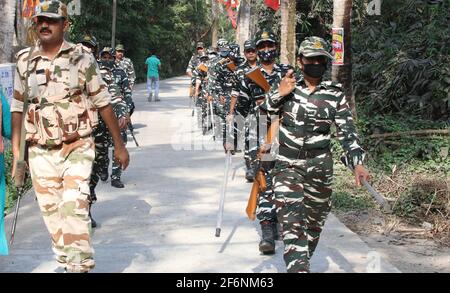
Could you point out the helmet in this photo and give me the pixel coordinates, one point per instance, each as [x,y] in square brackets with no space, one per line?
[221,43]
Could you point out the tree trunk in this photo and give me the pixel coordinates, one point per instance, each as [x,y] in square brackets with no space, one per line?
[21,26]
[342,10]
[215,21]
[8,10]
[243,29]
[288,24]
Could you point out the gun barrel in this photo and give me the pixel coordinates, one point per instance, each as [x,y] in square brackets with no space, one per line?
[222,194]
[130,127]
[212,120]
[16,214]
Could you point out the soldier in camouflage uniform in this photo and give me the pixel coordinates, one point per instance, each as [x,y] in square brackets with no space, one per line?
[91,43]
[250,63]
[65,92]
[126,64]
[102,138]
[201,80]
[121,80]
[304,167]
[192,65]
[225,80]
[250,97]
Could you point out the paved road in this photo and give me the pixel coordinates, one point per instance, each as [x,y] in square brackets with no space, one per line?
[164,220]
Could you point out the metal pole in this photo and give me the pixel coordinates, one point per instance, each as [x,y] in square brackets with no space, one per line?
[114,14]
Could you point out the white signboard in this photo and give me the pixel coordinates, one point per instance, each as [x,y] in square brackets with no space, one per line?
[7,80]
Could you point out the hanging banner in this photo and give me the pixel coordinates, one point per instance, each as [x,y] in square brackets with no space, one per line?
[338,46]
[28,7]
[274,4]
[232,7]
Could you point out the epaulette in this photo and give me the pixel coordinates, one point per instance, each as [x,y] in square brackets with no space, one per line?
[21,52]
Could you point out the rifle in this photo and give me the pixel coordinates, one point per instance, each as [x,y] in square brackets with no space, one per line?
[257,77]
[260,183]
[222,194]
[375,195]
[203,67]
[212,120]
[131,128]
[231,66]
[21,165]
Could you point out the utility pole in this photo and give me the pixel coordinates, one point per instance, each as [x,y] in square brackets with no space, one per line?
[114,16]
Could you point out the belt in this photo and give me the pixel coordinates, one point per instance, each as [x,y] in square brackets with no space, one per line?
[301,154]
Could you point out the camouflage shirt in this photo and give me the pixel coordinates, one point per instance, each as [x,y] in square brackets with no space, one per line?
[117,100]
[307,117]
[127,65]
[250,92]
[193,63]
[121,80]
[65,91]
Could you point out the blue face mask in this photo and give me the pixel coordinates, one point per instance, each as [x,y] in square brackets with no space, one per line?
[268,56]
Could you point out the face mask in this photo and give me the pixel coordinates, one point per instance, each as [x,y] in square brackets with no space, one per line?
[268,56]
[314,70]
[107,63]
[224,53]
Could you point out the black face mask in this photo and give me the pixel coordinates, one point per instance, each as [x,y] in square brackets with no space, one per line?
[314,70]
[107,63]
[267,56]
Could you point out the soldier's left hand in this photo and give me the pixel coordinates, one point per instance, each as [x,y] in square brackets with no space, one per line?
[361,172]
[222,100]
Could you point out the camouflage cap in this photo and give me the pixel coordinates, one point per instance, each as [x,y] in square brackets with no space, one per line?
[203,55]
[200,45]
[51,9]
[314,46]
[120,47]
[249,44]
[235,51]
[265,35]
[222,43]
[91,40]
[108,50]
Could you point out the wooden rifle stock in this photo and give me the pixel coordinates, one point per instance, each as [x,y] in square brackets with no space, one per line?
[259,185]
[231,66]
[203,67]
[257,77]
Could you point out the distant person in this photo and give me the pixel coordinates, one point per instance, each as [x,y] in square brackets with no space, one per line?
[153,65]
[5,127]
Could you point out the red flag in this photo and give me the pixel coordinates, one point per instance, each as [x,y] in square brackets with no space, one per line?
[274,4]
[232,15]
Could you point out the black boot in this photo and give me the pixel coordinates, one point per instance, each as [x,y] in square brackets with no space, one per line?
[267,244]
[117,183]
[104,175]
[92,199]
[250,171]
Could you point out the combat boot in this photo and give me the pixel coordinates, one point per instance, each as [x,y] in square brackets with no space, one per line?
[92,199]
[104,175]
[117,183]
[250,171]
[267,244]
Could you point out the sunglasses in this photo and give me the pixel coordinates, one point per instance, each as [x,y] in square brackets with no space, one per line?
[249,51]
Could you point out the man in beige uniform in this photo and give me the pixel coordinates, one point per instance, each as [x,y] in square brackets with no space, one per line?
[65,92]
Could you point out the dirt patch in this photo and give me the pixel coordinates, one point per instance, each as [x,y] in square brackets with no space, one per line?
[412,249]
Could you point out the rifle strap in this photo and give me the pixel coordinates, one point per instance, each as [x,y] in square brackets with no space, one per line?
[25,106]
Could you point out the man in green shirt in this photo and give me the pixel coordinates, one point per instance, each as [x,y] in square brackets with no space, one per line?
[153,65]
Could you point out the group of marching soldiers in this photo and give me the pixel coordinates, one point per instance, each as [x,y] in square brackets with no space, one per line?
[239,96]
[118,73]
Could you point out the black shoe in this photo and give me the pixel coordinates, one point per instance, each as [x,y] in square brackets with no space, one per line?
[267,244]
[117,183]
[104,176]
[250,175]
[93,222]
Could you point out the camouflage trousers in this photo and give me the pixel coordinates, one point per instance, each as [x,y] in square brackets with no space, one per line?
[101,162]
[302,198]
[61,181]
